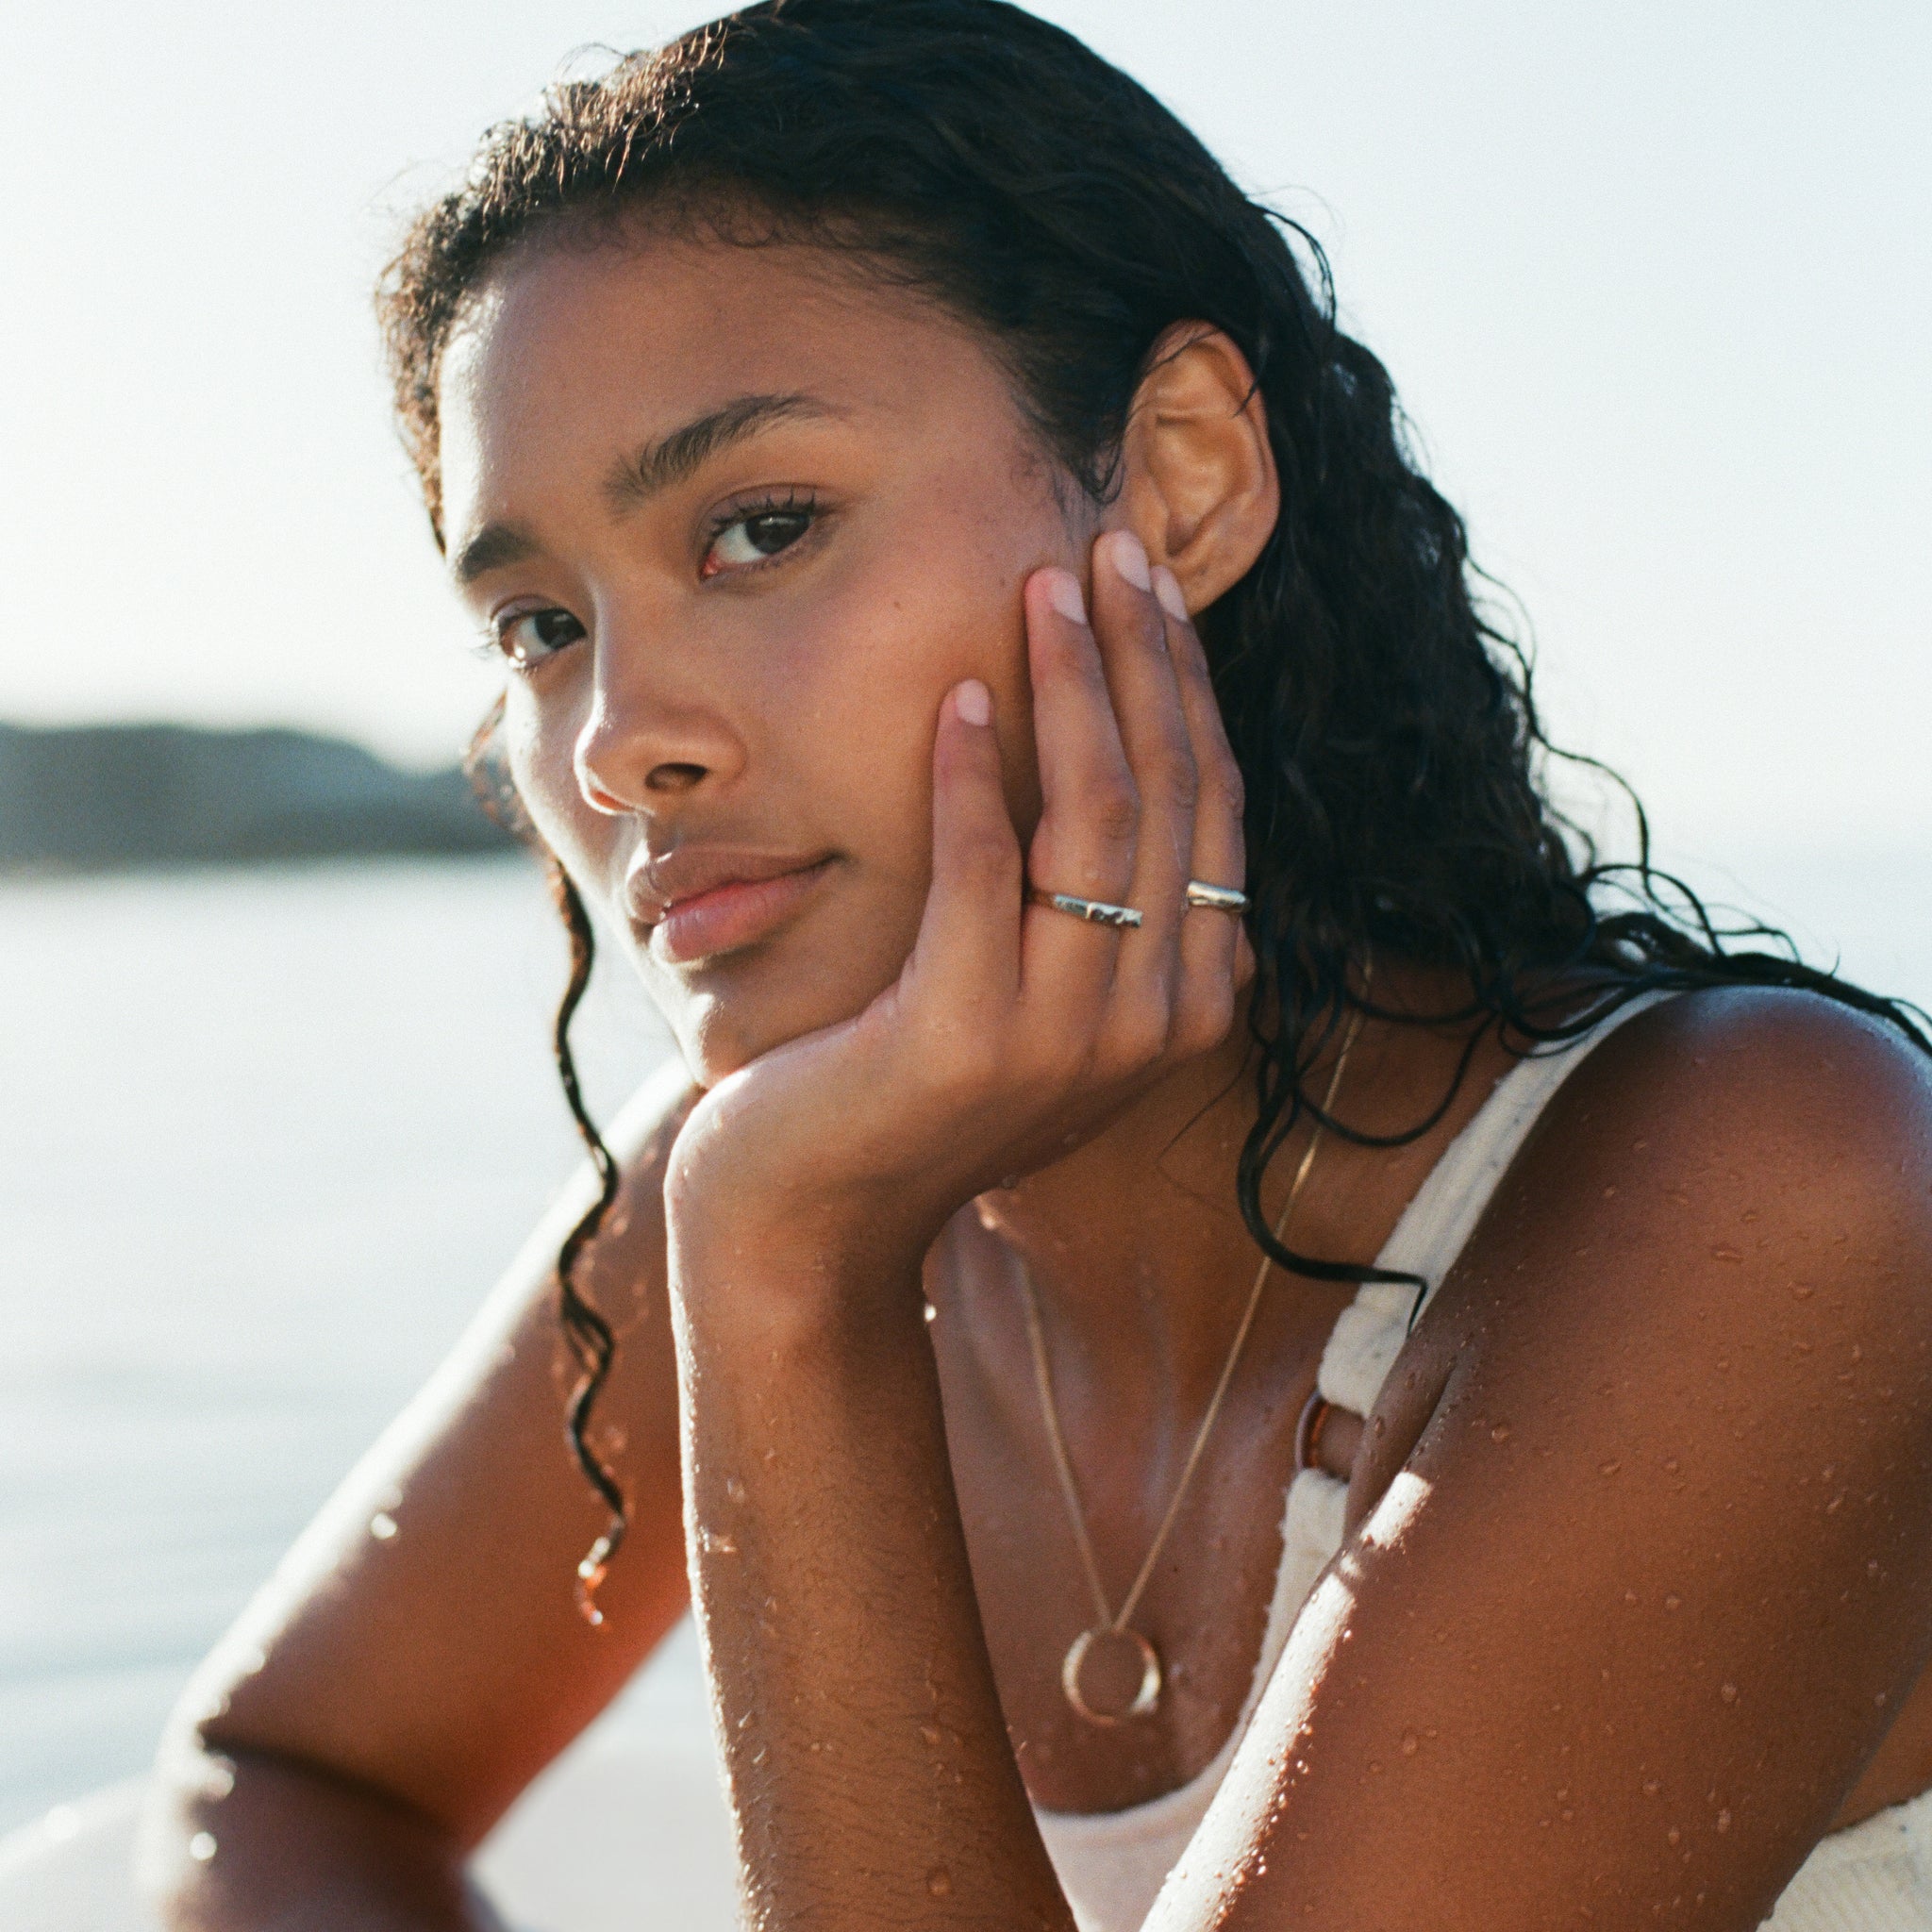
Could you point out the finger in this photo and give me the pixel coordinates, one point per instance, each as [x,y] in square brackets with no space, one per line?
[1215,954]
[963,974]
[1139,662]
[1089,810]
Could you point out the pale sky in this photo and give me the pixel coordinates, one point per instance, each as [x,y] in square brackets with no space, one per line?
[1655,280]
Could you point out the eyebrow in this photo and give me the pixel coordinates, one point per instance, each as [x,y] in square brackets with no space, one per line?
[493,547]
[678,455]
[636,479]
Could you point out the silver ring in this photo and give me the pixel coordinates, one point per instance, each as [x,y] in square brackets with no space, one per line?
[1095,911]
[1216,898]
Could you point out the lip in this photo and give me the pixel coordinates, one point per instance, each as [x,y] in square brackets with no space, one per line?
[699,901]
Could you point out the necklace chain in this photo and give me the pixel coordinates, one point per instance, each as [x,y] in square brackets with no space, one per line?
[1115,1623]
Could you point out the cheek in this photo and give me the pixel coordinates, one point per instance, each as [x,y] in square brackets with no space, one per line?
[538,739]
[867,674]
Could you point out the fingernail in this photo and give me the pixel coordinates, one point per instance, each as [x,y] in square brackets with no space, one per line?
[1167,586]
[973,703]
[1063,594]
[1129,558]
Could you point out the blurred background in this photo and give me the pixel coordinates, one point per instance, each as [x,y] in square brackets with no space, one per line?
[274,1105]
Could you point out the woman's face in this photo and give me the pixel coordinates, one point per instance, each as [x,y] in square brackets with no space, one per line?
[738,521]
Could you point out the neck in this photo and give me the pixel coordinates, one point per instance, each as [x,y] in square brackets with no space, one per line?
[1136,1242]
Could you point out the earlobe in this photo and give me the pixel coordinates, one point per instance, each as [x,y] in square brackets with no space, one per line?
[1200,487]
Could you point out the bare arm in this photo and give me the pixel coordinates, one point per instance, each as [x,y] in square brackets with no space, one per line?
[1640,1566]
[417,1657]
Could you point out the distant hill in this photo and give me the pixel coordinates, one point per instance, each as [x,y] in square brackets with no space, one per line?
[100,796]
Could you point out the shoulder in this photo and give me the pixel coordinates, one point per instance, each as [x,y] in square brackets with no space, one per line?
[1727,1194]
[1763,1070]
[1737,1127]
[1736,1132]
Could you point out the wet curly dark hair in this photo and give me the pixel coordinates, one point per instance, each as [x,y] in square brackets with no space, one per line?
[1382,719]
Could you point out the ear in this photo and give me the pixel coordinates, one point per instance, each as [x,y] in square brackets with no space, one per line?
[1198,481]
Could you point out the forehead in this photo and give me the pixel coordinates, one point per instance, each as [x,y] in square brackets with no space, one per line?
[574,351]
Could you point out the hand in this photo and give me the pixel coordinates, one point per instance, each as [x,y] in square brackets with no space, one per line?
[1015,1031]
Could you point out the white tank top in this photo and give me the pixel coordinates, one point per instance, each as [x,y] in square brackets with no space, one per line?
[1875,1877]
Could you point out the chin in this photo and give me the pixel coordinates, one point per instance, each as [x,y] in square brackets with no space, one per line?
[722,1025]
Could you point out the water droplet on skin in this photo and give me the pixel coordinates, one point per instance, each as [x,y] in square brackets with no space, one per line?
[1673,1835]
[1871,1569]
[1801,1291]
[939,1881]
[716,1543]
[1723,1820]
[1608,1468]
[932,1314]
[1671,1465]
[591,1574]
[201,1847]
[1566,1814]
[1725,1252]
[1410,1743]
[930,1733]
[1729,1693]
[1500,1433]
[1674,1602]
[1883,1698]
[1651,1788]
[734,1489]
[1629,1596]
[382,1525]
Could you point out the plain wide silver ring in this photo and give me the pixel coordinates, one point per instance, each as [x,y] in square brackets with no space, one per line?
[1095,911]
[1216,898]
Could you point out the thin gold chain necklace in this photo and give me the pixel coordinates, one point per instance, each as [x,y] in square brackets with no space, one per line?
[1111,1643]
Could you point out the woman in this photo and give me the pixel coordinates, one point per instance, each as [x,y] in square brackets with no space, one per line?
[1152,1050]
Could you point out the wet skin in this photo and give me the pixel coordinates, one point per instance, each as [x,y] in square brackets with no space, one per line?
[1640,1528]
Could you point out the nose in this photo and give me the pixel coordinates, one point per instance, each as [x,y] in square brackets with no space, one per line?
[651,738]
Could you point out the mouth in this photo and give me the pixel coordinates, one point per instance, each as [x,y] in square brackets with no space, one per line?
[700,906]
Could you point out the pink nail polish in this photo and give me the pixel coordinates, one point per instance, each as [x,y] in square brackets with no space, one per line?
[1129,558]
[972,702]
[1063,594]
[1167,586]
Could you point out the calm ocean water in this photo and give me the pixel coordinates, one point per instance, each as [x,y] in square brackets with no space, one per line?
[265,1140]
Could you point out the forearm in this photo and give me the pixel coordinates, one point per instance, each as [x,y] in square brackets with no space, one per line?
[871,1777]
[289,1849]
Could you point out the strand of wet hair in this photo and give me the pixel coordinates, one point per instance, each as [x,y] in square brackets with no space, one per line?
[588,1334]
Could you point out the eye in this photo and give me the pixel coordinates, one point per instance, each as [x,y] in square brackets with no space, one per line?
[753,535]
[529,638]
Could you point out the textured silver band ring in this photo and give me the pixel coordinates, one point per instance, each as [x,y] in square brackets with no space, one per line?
[1216,898]
[1095,911]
